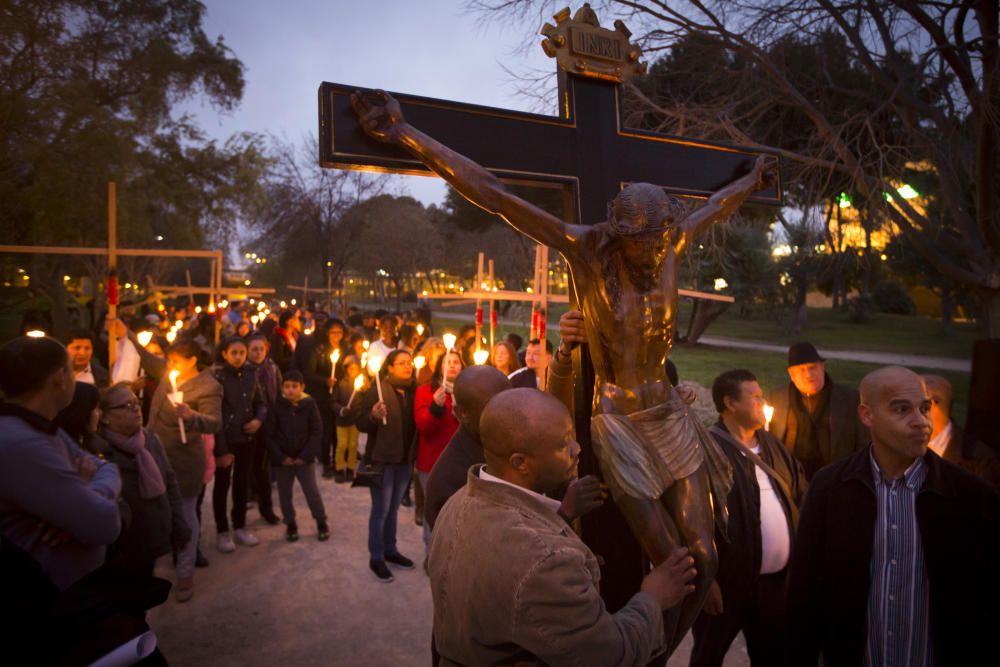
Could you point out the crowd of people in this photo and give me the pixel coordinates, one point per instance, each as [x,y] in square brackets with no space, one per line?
[862,526]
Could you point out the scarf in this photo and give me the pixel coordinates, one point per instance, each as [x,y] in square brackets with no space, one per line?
[150,478]
[287,335]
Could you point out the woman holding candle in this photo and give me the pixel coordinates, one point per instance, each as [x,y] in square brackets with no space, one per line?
[322,369]
[435,422]
[199,411]
[392,436]
[345,402]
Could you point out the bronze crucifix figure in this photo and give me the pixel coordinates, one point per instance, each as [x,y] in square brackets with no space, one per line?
[665,472]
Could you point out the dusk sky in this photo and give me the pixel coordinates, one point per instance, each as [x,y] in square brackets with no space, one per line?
[434,48]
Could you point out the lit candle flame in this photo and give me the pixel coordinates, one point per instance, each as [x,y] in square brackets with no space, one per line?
[197,309]
[364,360]
[449,340]
[171,335]
[420,329]
[419,362]
[480,356]
[359,382]
[144,337]
[768,414]
[335,357]
[366,344]
[307,331]
[375,365]
[35,333]
[173,379]
[179,324]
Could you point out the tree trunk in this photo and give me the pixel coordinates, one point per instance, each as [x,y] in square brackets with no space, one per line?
[947,312]
[991,306]
[702,315]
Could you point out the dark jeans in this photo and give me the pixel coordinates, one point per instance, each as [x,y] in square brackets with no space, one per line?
[385,508]
[306,474]
[238,475]
[762,617]
[262,478]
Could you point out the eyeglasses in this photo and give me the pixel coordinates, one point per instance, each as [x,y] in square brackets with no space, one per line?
[130,405]
[405,362]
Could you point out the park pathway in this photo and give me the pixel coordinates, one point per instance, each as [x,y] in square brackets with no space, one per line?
[309,603]
[862,356]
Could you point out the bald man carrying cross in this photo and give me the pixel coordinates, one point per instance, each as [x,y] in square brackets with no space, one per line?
[512,583]
[895,559]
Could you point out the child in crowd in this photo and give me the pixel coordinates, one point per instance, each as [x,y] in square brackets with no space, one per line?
[243,413]
[345,458]
[293,433]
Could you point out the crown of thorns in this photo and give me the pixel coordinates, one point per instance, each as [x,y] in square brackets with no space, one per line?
[643,209]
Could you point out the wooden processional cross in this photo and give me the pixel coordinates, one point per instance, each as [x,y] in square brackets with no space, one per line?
[589,153]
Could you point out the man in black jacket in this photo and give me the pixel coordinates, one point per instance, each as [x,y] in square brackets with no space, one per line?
[897,550]
[815,418]
[768,484]
[474,387]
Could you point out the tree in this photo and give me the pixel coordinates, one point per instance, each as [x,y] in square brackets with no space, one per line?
[300,224]
[87,95]
[396,239]
[915,87]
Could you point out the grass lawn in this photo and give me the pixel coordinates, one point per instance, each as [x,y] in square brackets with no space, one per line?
[902,334]
[825,328]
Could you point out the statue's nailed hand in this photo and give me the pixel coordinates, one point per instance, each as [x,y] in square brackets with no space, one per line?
[766,170]
[380,114]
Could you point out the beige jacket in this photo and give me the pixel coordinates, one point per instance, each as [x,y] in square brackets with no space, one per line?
[514,585]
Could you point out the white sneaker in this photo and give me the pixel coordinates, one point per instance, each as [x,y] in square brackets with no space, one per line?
[224,543]
[246,538]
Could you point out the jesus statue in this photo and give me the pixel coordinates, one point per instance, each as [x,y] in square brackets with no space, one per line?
[665,472]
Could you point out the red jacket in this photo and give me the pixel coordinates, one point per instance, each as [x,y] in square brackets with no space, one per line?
[435,426]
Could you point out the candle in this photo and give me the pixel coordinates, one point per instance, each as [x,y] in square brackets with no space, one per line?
[449,341]
[35,333]
[173,399]
[480,356]
[419,362]
[359,382]
[420,329]
[374,365]
[171,336]
[366,344]
[334,358]
[144,337]
[768,414]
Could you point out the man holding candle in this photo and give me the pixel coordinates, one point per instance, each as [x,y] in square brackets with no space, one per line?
[748,593]
[815,418]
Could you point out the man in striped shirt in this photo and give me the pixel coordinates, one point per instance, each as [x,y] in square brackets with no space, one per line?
[895,558]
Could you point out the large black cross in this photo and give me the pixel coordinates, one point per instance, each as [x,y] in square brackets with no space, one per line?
[590,153]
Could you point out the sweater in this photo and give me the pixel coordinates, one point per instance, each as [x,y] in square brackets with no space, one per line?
[435,426]
[39,484]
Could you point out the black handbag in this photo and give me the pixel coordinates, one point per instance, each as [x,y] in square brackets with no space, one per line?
[368,474]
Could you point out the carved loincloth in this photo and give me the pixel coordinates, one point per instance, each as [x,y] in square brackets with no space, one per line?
[642,454]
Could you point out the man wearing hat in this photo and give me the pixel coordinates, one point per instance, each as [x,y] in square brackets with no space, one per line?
[815,418]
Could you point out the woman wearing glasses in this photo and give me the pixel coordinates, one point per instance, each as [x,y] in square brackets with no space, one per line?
[392,436]
[155,523]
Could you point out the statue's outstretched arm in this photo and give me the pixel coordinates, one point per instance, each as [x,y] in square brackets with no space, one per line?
[724,202]
[382,118]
